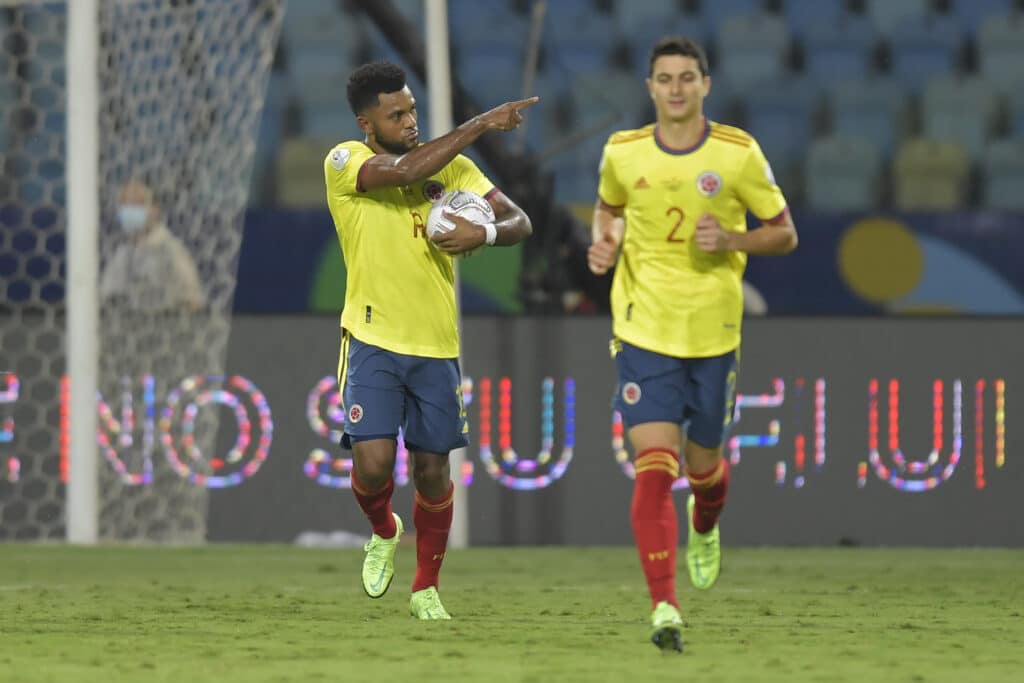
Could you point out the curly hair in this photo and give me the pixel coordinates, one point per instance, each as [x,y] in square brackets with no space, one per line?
[370,80]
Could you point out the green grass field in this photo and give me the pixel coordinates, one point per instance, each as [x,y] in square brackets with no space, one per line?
[272,613]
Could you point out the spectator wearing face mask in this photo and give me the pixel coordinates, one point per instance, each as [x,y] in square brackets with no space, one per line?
[151,271]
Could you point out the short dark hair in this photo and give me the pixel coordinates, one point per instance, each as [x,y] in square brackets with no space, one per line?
[676,45]
[370,80]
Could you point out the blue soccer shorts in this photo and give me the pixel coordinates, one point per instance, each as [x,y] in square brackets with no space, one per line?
[697,393]
[383,390]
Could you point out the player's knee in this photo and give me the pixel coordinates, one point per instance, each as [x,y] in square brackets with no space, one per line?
[430,470]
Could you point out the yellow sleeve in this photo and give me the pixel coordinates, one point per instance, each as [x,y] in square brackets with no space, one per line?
[609,189]
[757,188]
[463,174]
[342,165]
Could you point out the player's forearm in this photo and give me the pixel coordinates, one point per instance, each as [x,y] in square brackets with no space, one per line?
[430,157]
[512,228]
[768,240]
[606,222]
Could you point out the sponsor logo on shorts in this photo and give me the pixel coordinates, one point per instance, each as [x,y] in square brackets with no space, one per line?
[631,393]
[355,413]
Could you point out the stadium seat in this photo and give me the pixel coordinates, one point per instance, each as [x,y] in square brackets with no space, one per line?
[843,174]
[930,175]
[1000,44]
[876,109]
[599,95]
[840,50]
[635,17]
[1015,110]
[320,24]
[781,117]
[714,13]
[491,74]
[921,48]
[807,17]
[1003,170]
[299,174]
[643,35]
[752,48]
[971,13]
[888,14]
[962,109]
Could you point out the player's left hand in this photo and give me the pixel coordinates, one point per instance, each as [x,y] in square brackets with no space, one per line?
[710,236]
[466,236]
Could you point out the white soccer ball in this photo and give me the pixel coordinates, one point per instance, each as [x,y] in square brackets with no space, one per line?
[464,203]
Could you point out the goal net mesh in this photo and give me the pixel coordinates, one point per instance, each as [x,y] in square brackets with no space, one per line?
[181,91]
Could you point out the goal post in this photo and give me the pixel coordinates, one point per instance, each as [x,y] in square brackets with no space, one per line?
[109,107]
[82,294]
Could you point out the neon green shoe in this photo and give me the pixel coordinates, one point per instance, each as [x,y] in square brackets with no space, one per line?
[703,553]
[667,628]
[426,604]
[379,563]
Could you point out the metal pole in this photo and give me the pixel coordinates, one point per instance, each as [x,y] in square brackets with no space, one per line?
[82,299]
[439,89]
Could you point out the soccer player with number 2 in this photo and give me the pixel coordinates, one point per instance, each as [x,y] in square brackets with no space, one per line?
[671,212]
[400,346]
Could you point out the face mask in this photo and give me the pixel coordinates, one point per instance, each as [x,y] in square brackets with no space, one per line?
[132,217]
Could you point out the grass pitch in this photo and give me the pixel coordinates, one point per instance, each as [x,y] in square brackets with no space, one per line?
[272,613]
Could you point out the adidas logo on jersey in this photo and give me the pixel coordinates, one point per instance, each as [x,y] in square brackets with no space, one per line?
[641,184]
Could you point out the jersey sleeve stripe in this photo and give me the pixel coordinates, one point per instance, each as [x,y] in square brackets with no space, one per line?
[606,205]
[359,178]
[777,219]
[731,139]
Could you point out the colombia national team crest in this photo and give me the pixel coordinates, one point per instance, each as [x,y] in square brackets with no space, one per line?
[432,190]
[709,183]
[631,393]
[355,413]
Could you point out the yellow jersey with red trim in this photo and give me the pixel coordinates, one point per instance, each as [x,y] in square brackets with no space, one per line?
[399,290]
[668,296]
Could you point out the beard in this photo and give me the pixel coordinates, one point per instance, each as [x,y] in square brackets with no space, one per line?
[398,147]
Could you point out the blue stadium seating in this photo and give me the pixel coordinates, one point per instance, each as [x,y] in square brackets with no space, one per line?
[887,15]
[840,50]
[1004,175]
[806,17]
[752,47]
[921,48]
[843,174]
[876,109]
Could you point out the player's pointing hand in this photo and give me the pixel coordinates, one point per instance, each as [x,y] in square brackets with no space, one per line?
[507,116]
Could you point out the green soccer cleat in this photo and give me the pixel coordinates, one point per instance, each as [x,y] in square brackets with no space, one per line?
[703,553]
[667,628]
[426,604]
[379,563]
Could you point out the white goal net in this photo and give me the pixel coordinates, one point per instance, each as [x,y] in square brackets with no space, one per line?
[181,90]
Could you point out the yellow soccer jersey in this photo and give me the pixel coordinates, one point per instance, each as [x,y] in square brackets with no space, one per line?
[668,296]
[400,291]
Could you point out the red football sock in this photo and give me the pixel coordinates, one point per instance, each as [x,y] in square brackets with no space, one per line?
[433,520]
[655,525]
[376,506]
[709,489]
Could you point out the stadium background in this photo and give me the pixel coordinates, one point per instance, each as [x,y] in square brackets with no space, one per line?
[896,128]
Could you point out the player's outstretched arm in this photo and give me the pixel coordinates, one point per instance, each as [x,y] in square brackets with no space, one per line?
[606,231]
[386,170]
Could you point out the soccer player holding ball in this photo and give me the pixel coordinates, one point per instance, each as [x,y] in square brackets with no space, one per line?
[671,210]
[400,347]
